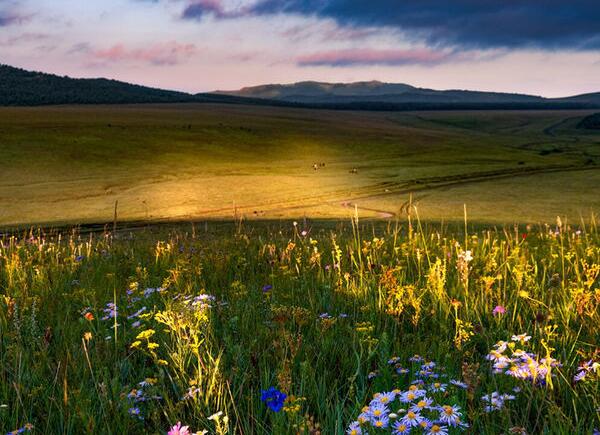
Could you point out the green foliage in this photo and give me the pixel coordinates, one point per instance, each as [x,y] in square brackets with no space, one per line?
[396,292]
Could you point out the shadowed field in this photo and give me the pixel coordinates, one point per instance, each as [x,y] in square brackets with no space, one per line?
[71,164]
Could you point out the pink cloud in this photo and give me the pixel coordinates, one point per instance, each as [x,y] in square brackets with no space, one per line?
[417,56]
[169,53]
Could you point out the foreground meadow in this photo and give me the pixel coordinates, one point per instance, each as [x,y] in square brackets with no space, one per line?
[285,328]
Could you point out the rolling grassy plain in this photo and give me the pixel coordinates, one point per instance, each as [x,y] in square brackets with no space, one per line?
[180,162]
[483,326]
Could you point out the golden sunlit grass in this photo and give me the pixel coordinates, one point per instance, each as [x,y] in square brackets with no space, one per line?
[71,164]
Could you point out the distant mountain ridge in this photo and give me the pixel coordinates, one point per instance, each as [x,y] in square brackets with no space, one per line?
[380,92]
[19,87]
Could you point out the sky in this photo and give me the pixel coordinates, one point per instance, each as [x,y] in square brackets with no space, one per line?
[541,47]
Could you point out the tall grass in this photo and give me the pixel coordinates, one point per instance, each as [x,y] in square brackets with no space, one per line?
[205,320]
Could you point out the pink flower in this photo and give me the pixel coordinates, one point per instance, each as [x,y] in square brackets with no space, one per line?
[179,430]
[499,310]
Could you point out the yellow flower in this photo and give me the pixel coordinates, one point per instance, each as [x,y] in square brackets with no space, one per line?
[144,335]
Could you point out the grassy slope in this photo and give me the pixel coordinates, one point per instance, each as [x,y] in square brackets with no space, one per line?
[180,161]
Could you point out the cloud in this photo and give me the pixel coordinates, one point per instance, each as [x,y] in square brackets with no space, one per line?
[25,38]
[353,57]
[170,53]
[9,17]
[474,24]
[198,9]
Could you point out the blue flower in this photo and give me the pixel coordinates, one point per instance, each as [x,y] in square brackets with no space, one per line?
[273,398]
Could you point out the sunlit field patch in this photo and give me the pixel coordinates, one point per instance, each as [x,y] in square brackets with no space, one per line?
[299,327]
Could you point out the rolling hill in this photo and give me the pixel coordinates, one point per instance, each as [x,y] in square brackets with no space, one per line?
[311,92]
[373,91]
[19,87]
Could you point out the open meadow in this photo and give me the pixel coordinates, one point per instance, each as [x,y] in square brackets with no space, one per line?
[302,328]
[257,270]
[72,164]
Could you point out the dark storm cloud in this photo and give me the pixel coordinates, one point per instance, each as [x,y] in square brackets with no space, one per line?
[7,18]
[197,9]
[477,24]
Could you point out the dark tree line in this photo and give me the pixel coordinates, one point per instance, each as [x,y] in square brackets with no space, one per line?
[19,87]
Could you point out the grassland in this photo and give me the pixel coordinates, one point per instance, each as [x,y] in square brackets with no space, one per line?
[135,328]
[202,161]
[132,332]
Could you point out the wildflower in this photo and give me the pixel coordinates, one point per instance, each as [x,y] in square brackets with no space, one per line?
[191,393]
[495,401]
[216,415]
[501,346]
[137,313]
[499,310]
[465,256]
[377,411]
[412,419]
[437,387]
[425,424]
[380,422]
[437,429]
[28,427]
[136,412]
[147,382]
[428,365]
[354,429]
[522,338]
[586,368]
[424,403]
[459,384]
[393,360]
[87,336]
[385,398]
[110,312]
[267,288]
[178,429]
[88,316]
[401,428]
[450,414]
[273,398]
[412,394]
[363,417]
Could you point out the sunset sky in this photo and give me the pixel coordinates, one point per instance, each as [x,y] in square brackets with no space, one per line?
[203,45]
